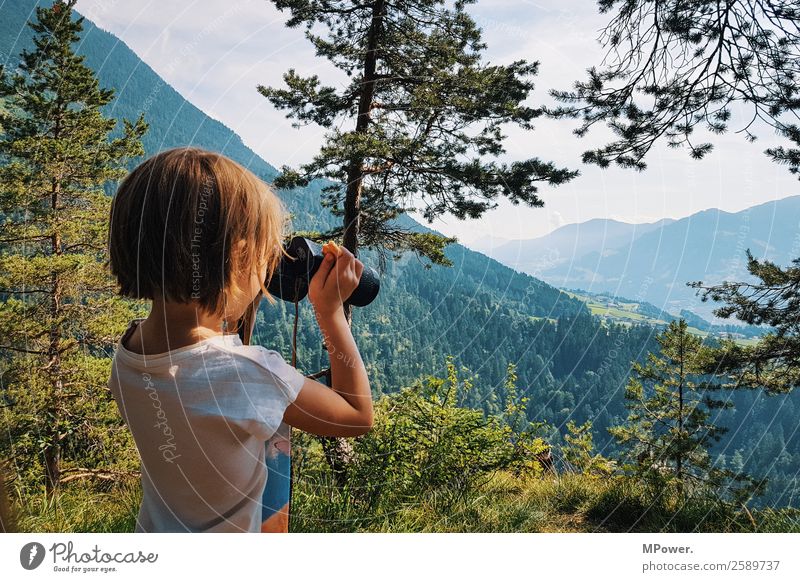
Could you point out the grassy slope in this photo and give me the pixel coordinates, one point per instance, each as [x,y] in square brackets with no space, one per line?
[569,503]
[627,313]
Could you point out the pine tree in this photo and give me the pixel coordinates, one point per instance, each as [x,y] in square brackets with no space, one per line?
[425,111]
[669,430]
[60,312]
[580,454]
[772,299]
[676,66]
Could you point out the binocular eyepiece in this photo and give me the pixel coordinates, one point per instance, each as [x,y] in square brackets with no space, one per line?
[291,278]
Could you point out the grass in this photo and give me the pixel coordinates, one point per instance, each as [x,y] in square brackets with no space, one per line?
[626,313]
[549,319]
[750,341]
[605,311]
[568,503]
[79,508]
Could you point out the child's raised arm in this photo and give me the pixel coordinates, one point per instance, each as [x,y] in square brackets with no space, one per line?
[346,409]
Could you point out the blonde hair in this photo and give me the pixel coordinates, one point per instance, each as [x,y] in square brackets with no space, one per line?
[176,219]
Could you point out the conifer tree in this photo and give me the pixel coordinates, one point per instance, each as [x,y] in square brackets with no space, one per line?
[580,454]
[669,429]
[60,313]
[674,67]
[422,112]
[677,71]
[771,298]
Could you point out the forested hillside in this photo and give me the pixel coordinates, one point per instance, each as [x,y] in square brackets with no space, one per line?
[570,364]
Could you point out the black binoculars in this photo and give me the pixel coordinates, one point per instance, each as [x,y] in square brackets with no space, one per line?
[290,280]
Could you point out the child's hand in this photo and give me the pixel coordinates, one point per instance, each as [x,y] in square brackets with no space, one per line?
[335,280]
[331,247]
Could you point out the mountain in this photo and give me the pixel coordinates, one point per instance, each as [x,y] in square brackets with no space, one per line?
[566,242]
[173,120]
[485,244]
[653,262]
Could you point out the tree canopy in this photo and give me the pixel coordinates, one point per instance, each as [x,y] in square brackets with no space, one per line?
[426,113]
[675,66]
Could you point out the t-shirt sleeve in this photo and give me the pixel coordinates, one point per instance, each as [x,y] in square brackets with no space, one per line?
[270,399]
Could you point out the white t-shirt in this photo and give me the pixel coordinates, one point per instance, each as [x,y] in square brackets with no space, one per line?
[200,416]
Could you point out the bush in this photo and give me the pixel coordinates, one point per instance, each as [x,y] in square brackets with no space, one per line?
[424,448]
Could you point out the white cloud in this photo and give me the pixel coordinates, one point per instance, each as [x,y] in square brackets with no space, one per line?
[556,219]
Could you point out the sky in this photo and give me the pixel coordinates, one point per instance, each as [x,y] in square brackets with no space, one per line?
[215,53]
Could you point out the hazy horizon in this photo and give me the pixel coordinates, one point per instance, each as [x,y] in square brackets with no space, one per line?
[499,238]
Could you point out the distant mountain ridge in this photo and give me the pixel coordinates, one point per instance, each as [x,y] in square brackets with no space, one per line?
[653,262]
[568,241]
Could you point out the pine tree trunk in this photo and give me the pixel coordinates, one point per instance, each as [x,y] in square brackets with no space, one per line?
[339,454]
[679,463]
[52,452]
[52,462]
[338,451]
[355,172]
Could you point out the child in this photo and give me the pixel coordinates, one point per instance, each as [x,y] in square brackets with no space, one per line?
[197,235]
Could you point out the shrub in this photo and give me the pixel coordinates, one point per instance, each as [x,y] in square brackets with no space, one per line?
[424,448]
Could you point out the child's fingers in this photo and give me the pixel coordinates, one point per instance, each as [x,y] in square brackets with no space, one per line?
[345,273]
[343,261]
[354,271]
[344,253]
[321,276]
[339,273]
[342,264]
[331,247]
